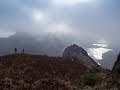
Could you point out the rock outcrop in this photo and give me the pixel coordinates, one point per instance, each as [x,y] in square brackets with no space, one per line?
[116,66]
[75,52]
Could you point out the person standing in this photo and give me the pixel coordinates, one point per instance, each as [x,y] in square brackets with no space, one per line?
[15,50]
[23,51]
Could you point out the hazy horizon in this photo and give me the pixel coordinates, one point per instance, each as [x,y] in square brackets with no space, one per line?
[92,24]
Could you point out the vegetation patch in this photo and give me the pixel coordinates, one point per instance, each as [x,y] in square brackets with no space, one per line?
[91,79]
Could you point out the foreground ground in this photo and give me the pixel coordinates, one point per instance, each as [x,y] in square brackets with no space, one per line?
[32,72]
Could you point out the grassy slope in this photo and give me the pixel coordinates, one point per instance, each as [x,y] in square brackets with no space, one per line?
[53,72]
[32,72]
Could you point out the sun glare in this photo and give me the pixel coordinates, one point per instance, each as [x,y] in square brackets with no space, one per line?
[38,16]
[71,2]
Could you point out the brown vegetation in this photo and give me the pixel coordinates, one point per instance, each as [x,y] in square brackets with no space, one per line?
[35,72]
[20,71]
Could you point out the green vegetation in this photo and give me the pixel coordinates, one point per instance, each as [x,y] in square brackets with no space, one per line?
[95,70]
[91,79]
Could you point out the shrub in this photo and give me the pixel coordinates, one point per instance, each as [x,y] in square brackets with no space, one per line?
[91,79]
[95,70]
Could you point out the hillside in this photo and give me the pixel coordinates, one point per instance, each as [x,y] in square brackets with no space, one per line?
[35,72]
[49,72]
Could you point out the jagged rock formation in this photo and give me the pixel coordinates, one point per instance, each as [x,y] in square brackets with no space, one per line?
[116,65]
[75,52]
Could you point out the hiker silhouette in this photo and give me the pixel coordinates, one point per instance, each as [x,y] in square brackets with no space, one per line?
[23,50]
[15,50]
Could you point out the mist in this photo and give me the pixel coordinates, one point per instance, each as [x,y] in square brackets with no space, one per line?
[48,27]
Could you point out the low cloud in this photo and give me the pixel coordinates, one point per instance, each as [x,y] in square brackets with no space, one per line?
[6,34]
[47,16]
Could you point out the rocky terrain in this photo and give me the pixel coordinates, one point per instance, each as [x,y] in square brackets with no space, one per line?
[116,67]
[78,53]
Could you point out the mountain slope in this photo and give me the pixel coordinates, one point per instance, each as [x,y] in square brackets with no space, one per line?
[21,71]
[35,72]
[78,53]
[42,45]
[116,66]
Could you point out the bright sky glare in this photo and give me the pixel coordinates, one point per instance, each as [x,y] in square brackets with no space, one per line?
[71,2]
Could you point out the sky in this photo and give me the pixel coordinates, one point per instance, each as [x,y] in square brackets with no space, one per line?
[87,18]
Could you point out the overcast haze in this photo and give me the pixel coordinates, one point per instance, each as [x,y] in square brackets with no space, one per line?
[85,17]
[72,21]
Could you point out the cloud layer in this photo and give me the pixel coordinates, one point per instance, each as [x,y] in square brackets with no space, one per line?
[93,18]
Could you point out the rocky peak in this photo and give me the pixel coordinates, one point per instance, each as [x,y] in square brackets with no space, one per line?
[116,65]
[76,52]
